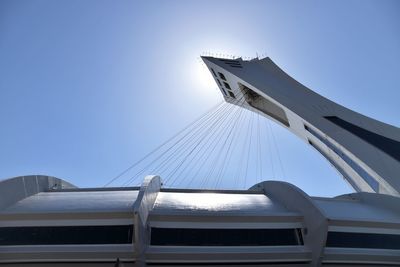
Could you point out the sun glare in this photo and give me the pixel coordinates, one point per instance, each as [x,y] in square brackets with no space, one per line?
[203,79]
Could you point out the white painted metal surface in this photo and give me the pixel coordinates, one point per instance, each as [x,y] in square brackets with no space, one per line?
[281,206]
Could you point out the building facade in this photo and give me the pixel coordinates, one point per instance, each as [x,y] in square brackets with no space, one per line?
[46,221]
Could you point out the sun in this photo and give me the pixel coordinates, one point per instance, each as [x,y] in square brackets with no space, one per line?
[203,79]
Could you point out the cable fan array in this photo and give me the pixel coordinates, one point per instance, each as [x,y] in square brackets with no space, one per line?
[227,147]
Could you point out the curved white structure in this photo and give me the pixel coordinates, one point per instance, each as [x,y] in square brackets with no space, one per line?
[365,151]
[271,224]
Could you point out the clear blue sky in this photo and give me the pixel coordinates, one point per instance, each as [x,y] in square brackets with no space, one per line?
[88,87]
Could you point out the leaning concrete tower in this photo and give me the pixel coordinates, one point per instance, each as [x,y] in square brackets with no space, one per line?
[365,151]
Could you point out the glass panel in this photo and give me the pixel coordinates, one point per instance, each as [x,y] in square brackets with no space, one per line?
[222,76]
[63,235]
[363,240]
[387,145]
[227,85]
[225,237]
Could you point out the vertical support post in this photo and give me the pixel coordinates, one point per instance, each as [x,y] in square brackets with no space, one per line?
[144,204]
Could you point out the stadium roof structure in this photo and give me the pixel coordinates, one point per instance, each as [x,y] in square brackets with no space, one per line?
[48,221]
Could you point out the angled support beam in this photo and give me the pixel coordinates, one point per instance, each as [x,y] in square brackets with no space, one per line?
[144,204]
[293,198]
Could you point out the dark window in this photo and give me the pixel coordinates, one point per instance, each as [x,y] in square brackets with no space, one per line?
[232,63]
[223,90]
[225,237]
[66,235]
[231,94]
[227,85]
[222,76]
[215,75]
[363,240]
[387,145]
[219,83]
[236,66]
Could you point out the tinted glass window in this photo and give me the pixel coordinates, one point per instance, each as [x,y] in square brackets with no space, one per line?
[225,237]
[363,240]
[222,76]
[231,94]
[387,145]
[57,235]
[227,85]
[232,63]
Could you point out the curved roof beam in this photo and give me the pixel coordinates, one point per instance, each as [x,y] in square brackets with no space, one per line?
[15,189]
